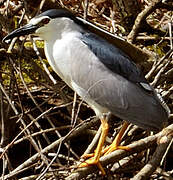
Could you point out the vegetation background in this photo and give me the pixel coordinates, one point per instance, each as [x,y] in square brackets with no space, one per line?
[45,127]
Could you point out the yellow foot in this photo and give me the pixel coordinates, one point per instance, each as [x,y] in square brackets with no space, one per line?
[111,148]
[86,156]
[94,160]
[91,162]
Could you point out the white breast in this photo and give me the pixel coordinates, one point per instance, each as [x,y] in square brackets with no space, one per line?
[59,55]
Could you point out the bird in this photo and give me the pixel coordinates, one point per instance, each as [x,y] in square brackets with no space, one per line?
[102,74]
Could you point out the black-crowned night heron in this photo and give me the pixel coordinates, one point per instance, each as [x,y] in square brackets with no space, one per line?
[100,73]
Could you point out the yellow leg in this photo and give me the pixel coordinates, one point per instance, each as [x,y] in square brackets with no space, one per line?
[117,140]
[95,159]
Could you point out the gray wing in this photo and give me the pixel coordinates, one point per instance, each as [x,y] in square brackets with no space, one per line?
[115,85]
[113,58]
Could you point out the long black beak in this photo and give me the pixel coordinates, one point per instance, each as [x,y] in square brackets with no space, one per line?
[25,30]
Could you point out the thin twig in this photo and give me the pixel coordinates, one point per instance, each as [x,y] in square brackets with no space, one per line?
[74,132]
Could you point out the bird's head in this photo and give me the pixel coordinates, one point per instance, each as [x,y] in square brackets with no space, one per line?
[44,24]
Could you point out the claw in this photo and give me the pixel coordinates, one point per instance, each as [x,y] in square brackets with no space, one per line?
[92,161]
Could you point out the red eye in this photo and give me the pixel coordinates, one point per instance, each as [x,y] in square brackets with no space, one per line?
[45,21]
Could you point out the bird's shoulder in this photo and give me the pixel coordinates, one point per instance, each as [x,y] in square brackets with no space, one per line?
[114,59]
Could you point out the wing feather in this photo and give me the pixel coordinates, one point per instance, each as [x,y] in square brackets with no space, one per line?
[113,58]
[103,82]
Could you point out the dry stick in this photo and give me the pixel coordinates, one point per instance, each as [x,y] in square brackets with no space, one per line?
[73,133]
[141,18]
[41,60]
[43,157]
[169,73]
[40,6]
[94,141]
[4,164]
[30,133]
[24,130]
[49,165]
[23,81]
[170,34]
[166,152]
[31,177]
[62,5]
[127,163]
[85,9]
[14,39]
[10,168]
[23,170]
[168,93]
[154,38]
[155,65]
[30,95]
[115,156]
[37,145]
[40,116]
[2,132]
[151,166]
[17,8]
[46,101]
[112,12]
[157,77]
[2,118]
[73,122]
[165,175]
[62,156]
[40,132]
[9,100]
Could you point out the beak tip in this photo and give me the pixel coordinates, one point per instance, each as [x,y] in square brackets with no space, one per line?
[25,30]
[6,39]
[3,40]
